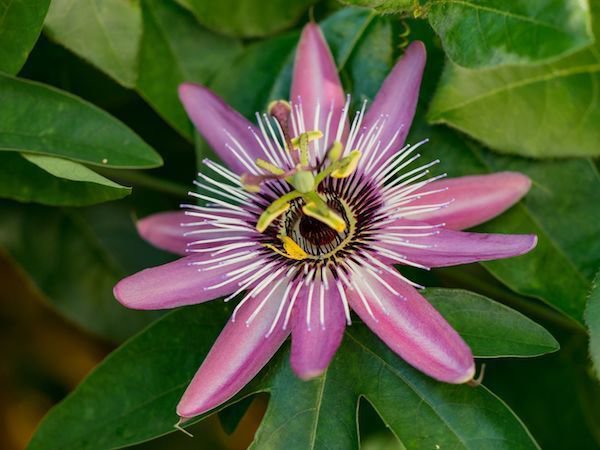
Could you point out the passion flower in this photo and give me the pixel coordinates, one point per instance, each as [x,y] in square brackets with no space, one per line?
[306,222]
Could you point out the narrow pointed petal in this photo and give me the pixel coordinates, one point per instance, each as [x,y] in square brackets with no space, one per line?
[213,118]
[473,199]
[451,248]
[314,343]
[238,354]
[412,328]
[167,231]
[174,284]
[316,82]
[397,99]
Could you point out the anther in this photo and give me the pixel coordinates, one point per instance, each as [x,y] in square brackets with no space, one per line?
[280,110]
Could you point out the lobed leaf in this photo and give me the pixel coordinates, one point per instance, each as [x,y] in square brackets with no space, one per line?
[132,395]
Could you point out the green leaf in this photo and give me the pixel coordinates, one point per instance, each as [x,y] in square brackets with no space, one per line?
[431,413]
[555,396]
[247,18]
[490,328]
[132,395]
[485,33]
[76,256]
[592,320]
[54,181]
[387,6]
[175,49]
[106,33]
[20,25]
[546,110]
[35,118]
[267,70]
[352,34]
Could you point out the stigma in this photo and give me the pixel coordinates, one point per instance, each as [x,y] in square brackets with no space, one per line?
[303,178]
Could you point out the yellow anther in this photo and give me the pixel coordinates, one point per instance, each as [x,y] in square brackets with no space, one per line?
[293,250]
[275,209]
[335,151]
[270,214]
[317,208]
[272,168]
[309,135]
[347,165]
[327,216]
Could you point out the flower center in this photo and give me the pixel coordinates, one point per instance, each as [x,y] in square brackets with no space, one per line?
[315,239]
[303,178]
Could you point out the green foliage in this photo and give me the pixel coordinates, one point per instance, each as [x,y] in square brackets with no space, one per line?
[46,125]
[247,18]
[545,110]
[175,49]
[386,6]
[40,119]
[75,257]
[488,33]
[485,325]
[149,45]
[485,33]
[106,32]
[132,395]
[20,25]
[592,320]
[54,181]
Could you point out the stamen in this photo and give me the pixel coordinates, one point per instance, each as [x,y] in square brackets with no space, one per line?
[275,209]
[292,250]
[318,209]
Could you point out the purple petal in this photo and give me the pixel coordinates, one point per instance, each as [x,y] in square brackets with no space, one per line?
[165,231]
[214,119]
[451,248]
[397,99]
[313,343]
[239,353]
[474,199]
[412,328]
[316,81]
[176,284]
